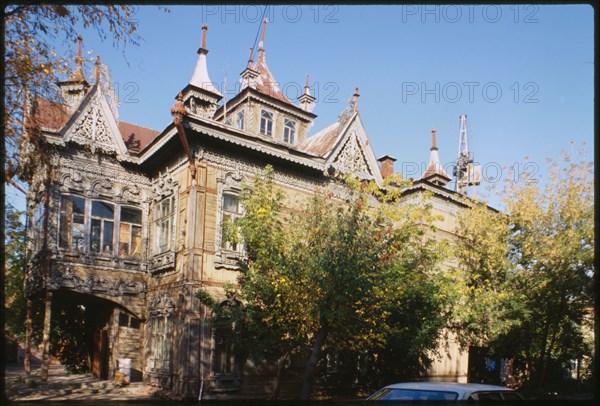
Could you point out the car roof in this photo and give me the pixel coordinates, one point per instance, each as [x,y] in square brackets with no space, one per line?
[460,388]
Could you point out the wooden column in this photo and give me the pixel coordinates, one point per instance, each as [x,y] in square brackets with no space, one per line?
[27,360]
[46,336]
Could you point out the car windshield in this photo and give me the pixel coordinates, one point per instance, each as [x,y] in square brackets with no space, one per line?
[413,394]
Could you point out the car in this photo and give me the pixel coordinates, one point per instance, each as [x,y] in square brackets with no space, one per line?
[445,391]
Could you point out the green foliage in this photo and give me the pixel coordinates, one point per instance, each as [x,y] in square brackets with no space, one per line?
[530,274]
[358,274]
[69,340]
[14,273]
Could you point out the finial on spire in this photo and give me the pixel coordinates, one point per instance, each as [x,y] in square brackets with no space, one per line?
[250,61]
[306,87]
[356,96]
[79,58]
[433,139]
[204,29]
[97,64]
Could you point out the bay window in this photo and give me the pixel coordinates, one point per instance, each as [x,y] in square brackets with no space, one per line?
[100,227]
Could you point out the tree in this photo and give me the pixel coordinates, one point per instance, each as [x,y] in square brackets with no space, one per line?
[340,276]
[14,273]
[536,268]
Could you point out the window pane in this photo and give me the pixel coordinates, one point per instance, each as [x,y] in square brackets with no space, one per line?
[136,241]
[95,235]
[131,215]
[231,203]
[103,209]
[65,228]
[78,204]
[77,233]
[108,237]
[240,120]
[124,239]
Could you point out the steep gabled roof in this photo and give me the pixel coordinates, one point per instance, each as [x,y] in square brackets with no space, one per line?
[47,114]
[322,142]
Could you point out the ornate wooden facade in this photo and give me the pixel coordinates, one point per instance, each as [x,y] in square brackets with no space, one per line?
[132,217]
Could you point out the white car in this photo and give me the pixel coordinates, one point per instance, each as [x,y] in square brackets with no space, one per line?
[446,391]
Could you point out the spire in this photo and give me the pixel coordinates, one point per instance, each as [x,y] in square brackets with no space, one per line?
[78,75]
[265,82]
[97,65]
[75,87]
[200,77]
[435,173]
[307,102]
[203,43]
[250,61]
[261,49]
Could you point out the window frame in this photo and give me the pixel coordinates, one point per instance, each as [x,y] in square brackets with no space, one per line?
[234,216]
[289,131]
[132,226]
[240,118]
[103,234]
[165,233]
[81,244]
[267,124]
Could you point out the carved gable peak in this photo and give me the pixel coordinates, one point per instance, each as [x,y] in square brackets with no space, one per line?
[95,126]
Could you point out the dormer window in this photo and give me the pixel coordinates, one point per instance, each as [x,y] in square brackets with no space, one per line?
[266,123]
[239,119]
[289,131]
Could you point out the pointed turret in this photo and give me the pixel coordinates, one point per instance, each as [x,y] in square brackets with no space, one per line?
[76,86]
[435,173]
[201,96]
[249,75]
[307,102]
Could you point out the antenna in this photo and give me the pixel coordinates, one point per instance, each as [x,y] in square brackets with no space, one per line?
[466,172]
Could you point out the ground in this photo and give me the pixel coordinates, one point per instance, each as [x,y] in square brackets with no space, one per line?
[63,386]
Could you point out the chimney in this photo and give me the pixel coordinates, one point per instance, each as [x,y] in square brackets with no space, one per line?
[387,165]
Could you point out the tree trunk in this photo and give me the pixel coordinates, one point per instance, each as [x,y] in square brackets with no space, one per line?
[311,366]
[280,370]
[46,336]
[27,359]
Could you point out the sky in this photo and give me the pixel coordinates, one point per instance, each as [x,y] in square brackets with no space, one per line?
[523,74]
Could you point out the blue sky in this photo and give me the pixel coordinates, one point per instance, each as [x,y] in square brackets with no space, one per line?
[523,74]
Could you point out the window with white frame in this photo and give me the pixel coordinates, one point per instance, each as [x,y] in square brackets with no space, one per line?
[289,131]
[232,211]
[72,222]
[102,227]
[164,219]
[239,119]
[266,122]
[130,232]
